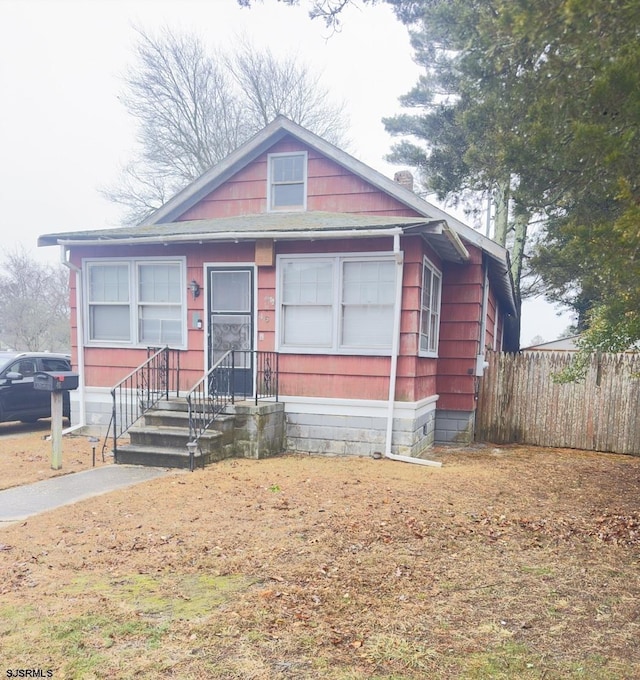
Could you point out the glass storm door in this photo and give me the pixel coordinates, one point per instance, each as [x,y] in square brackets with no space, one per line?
[231,322]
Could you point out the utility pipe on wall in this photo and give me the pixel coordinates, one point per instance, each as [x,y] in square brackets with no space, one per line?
[393,370]
[482,346]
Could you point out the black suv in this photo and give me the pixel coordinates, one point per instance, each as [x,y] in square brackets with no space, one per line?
[18,399]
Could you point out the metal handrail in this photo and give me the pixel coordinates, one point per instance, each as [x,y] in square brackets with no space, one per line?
[210,395]
[267,368]
[145,386]
[222,384]
[141,390]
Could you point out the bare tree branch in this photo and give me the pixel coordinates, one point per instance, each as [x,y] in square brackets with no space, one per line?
[286,86]
[327,10]
[34,304]
[194,107]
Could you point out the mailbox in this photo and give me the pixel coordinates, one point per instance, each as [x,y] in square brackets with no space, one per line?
[55,381]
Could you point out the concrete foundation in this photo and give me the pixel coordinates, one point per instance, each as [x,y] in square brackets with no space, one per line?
[258,430]
[454,427]
[320,426]
[357,427]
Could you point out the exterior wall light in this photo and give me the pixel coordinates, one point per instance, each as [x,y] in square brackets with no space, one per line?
[194,287]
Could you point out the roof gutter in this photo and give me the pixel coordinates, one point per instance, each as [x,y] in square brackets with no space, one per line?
[231,236]
[455,241]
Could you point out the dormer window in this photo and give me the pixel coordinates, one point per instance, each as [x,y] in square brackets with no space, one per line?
[287,181]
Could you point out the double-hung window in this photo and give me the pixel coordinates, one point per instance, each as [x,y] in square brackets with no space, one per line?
[430,309]
[336,304]
[307,287]
[287,180]
[109,297]
[136,302]
[159,303]
[368,294]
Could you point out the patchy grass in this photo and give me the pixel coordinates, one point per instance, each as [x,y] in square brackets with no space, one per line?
[504,563]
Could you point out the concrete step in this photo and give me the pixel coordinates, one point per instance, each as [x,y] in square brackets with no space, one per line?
[172,404]
[166,418]
[131,454]
[176,404]
[180,419]
[162,437]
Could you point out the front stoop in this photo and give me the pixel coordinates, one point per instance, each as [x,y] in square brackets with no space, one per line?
[258,429]
[160,438]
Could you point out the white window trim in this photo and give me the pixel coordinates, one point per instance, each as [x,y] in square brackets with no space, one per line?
[295,208]
[134,302]
[336,308]
[426,263]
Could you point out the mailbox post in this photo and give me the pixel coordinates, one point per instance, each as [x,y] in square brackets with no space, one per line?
[56,382]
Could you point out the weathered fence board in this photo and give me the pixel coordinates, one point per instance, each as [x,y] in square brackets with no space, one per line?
[519,402]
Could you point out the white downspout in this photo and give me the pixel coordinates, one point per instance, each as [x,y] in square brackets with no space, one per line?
[393,371]
[79,337]
[482,348]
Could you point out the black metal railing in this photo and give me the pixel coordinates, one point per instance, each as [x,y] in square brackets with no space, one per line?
[209,396]
[267,367]
[255,375]
[238,374]
[231,378]
[142,389]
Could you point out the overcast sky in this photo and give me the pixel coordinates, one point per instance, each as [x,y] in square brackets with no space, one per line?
[64,133]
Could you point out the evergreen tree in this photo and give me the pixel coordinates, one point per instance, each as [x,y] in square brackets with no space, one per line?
[539,104]
[540,101]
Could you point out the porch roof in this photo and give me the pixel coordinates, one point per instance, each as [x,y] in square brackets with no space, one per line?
[295,225]
[276,225]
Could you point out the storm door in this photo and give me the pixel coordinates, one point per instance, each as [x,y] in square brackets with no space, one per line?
[231,322]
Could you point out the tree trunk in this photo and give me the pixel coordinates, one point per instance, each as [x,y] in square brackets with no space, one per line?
[521,223]
[502,213]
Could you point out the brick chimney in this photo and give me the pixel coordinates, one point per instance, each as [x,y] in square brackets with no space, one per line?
[404,178]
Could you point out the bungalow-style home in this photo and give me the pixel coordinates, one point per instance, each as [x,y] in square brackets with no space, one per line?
[378,305]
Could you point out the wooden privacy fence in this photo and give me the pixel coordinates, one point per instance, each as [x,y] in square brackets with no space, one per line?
[519,402]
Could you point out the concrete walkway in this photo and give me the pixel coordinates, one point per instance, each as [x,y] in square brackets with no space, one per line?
[21,502]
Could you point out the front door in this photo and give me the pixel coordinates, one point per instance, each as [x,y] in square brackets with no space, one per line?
[231,322]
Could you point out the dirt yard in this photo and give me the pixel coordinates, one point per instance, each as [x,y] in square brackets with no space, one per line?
[25,453]
[504,563]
